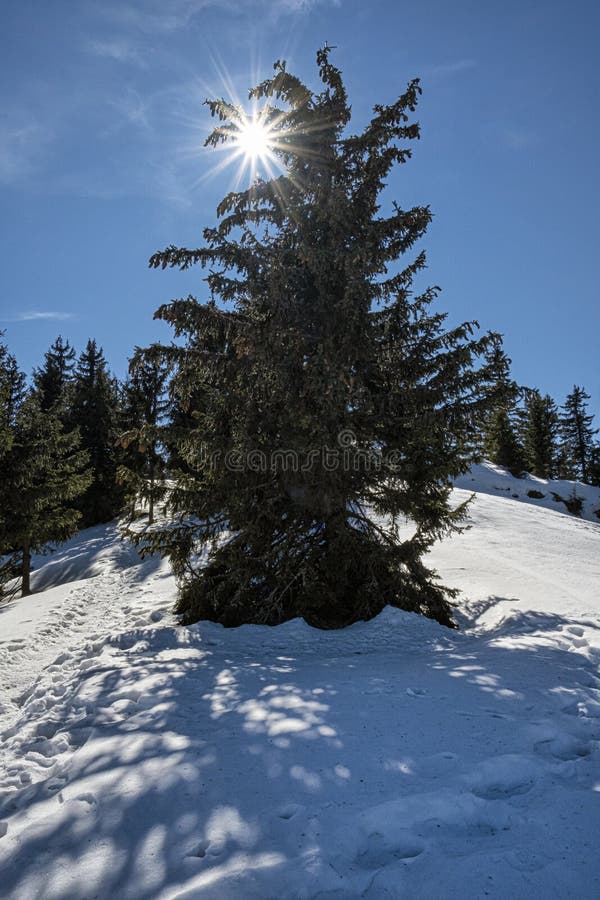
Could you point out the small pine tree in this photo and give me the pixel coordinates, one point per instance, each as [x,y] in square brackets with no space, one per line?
[540,434]
[577,433]
[144,406]
[44,473]
[53,379]
[94,411]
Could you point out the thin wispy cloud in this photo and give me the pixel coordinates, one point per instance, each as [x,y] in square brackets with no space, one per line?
[133,124]
[517,138]
[156,17]
[35,315]
[23,142]
[446,70]
[118,50]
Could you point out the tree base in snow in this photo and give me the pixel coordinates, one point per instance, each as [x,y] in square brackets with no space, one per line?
[338,580]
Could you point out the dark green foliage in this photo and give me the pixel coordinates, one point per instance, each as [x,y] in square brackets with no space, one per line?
[594,467]
[535,495]
[53,379]
[565,469]
[574,504]
[44,473]
[577,433]
[12,386]
[94,410]
[144,407]
[502,392]
[540,434]
[501,444]
[322,348]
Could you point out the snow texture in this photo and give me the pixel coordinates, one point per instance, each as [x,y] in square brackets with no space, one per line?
[392,759]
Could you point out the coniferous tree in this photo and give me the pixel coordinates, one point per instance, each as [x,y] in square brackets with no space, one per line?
[12,386]
[144,406]
[498,435]
[502,390]
[322,351]
[94,410]
[577,432]
[594,469]
[540,434]
[565,468]
[44,473]
[53,379]
[502,445]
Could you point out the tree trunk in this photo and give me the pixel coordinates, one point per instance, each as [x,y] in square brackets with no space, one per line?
[26,571]
[151,497]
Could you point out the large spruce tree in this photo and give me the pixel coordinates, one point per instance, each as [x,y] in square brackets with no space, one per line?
[330,405]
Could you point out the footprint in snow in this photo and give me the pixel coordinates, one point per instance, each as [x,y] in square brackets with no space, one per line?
[584,709]
[503,776]
[202,848]
[438,764]
[55,784]
[564,748]
[289,810]
[88,798]
[377,851]
[16,645]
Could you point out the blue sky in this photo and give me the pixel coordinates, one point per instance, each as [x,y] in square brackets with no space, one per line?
[101,159]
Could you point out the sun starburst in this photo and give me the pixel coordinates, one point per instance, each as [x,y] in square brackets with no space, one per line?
[254,139]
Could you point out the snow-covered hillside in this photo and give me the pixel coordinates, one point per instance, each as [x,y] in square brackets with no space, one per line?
[392,759]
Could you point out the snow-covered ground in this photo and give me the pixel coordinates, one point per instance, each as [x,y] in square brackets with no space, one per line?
[394,758]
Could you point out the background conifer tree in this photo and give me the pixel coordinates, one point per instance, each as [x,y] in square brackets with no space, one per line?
[144,406]
[44,473]
[53,379]
[12,386]
[540,434]
[322,347]
[502,445]
[94,412]
[594,472]
[577,433]
[500,433]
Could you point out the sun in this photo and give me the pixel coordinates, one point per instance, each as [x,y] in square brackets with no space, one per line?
[251,140]
[254,139]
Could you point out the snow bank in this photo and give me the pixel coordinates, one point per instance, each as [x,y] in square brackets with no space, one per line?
[556,495]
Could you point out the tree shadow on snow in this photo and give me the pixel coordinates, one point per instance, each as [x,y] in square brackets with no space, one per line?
[204,756]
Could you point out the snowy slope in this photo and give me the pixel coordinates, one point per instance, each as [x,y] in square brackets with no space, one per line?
[391,759]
